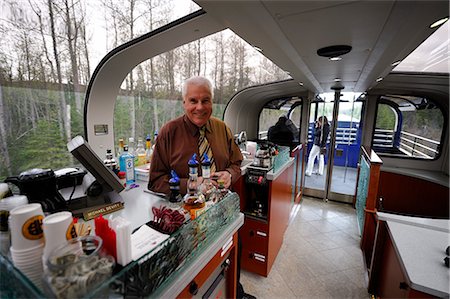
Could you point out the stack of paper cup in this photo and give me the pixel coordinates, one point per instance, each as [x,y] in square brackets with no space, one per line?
[27,240]
[58,228]
[7,204]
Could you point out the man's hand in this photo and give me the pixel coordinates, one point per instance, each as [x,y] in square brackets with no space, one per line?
[222,175]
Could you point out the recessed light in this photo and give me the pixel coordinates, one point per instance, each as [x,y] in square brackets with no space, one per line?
[300,83]
[337,80]
[439,22]
[337,58]
[334,51]
[396,63]
[257,48]
[379,79]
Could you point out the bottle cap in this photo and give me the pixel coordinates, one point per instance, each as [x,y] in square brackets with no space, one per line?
[205,160]
[193,161]
[174,180]
[121,174]
[148,138]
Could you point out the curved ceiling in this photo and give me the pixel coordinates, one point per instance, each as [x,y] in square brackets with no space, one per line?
[290,33]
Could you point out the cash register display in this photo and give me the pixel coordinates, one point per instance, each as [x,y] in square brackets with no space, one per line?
[81,150]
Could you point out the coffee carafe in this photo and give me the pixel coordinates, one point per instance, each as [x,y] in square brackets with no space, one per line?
[39,185]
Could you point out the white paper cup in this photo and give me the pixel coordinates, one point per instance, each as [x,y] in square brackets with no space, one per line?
[58,228]
[25,223]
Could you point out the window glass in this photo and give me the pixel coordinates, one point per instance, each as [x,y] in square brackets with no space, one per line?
[431,56]
[156,98]
[408,127]
[284,131]
[42,94]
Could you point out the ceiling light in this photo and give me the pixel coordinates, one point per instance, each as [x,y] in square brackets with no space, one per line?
[439,22]
[337,58]
[337,80]
[257,48]
[334,51]
[300,83]
[396,63]
[379,79]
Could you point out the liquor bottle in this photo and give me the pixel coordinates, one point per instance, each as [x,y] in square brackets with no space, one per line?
[127,165]
[155,136]
[221,190]
[174,186]
[140,152]
[120,149]
[206,187]
[193,175]
[148,149]
[132,150]
[110,162]
[194,202]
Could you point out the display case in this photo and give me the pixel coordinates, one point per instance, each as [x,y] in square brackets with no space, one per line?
[158,272]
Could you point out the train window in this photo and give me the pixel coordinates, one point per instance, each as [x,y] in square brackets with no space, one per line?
[290,109]
[408,126]
[42,93]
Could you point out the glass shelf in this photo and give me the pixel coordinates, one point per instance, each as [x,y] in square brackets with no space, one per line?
[155,270]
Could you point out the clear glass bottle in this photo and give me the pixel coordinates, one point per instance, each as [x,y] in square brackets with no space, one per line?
[110,162]
[148,149]
[120,149]
[192,183]
[127,165]
[140,152]
[221,190]
[207,188]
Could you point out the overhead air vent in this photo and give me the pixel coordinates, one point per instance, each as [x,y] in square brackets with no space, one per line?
[334,51]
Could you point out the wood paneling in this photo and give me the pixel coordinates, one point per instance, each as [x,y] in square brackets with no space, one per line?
[413,196]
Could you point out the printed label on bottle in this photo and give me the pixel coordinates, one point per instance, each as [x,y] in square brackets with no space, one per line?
[129,165]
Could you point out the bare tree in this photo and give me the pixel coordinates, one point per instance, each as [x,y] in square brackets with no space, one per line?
[3,140]
[62,103]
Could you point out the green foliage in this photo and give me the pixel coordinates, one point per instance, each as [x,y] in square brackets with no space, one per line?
[385,117]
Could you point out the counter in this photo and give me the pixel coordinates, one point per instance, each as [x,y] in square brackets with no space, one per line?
[203,246]
[416,247]
[436,177]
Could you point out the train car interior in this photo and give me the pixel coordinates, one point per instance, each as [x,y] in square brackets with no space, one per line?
[331,229]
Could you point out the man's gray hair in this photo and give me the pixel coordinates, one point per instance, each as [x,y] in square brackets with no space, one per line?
[199,81]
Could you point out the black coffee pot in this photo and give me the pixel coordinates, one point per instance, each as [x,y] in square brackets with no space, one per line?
[39,185]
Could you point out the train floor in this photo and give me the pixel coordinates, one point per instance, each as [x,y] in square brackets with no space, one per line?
[320,257]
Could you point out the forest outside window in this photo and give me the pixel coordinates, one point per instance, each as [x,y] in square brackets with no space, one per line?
[408,126]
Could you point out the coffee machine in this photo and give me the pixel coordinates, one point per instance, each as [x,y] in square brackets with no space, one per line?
[39,185]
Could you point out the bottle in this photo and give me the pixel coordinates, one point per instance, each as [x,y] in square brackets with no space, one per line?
[132,150]
[155,136]
[206,187]
[120,149]
[221,190]
[127,165]
[194,201]
[174,186]
[110,162]
[140,152]
[193,175]
[148,149]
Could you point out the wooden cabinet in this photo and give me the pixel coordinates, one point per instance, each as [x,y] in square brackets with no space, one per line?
[262,239]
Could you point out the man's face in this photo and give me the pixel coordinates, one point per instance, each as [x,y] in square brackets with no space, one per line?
[197,104]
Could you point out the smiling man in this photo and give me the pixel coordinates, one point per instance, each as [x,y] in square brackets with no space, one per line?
[178,140]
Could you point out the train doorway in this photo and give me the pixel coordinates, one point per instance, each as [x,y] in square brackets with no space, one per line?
[341,148]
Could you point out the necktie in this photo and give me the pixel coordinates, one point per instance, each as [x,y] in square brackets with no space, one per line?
[203,147]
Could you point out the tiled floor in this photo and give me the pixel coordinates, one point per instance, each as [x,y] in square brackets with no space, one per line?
[320,257]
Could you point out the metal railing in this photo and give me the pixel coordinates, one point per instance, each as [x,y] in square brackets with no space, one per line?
[344,135]
[411,144]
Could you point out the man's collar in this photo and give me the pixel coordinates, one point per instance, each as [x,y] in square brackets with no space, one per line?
[193,129]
